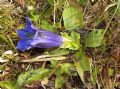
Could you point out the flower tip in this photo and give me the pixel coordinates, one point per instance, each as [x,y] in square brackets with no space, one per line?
[28,21]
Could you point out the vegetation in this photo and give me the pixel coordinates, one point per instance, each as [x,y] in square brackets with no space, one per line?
[89,57]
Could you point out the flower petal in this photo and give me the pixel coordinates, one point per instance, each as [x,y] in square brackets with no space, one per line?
[24,45]
[28,21]
[30,27]
[25,34]
[49,35]
[47,45]
[43,39]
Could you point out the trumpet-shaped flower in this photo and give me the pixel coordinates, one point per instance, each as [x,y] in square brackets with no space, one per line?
[34,37]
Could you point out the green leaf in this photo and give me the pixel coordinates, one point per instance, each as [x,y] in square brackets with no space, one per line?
[118,7]
[118,10]
[82,2]
[48,12]
[8,85]
[73,18]
[50,2]
[53,63]
[59,52]
[47,26]
[82,64]
[58,3]
[59,71]
[71,42]
[95,38]
[59,82]
[94,74]
[111,71]
[66,67]
[33,75]
[75,36]
[34,16]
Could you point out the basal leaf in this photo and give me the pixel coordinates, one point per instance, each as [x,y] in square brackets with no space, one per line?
[8,85]
[33,75]
[22,78]
[73,18]
[82,64]
[75,36]
[94,38]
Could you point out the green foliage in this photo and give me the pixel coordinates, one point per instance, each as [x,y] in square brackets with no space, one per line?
[95,38]
[63,16]
[82,2]
[71,42]
[50,2]
[48,12]
[111,71]
[62,72]
[59,52]
[8,85]
[34,16]
[118,11]
[53,63]
[59,82]
[33,75]
[94,73]
[73,18]
[118,7]
[66,68]
[82,64]
[47,26]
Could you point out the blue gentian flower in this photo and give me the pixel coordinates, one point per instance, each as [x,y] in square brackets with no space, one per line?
[33,37]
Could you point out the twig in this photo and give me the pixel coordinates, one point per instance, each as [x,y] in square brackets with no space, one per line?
[44,59]
[36,59]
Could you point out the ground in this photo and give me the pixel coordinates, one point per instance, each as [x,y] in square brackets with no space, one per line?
[87,58]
